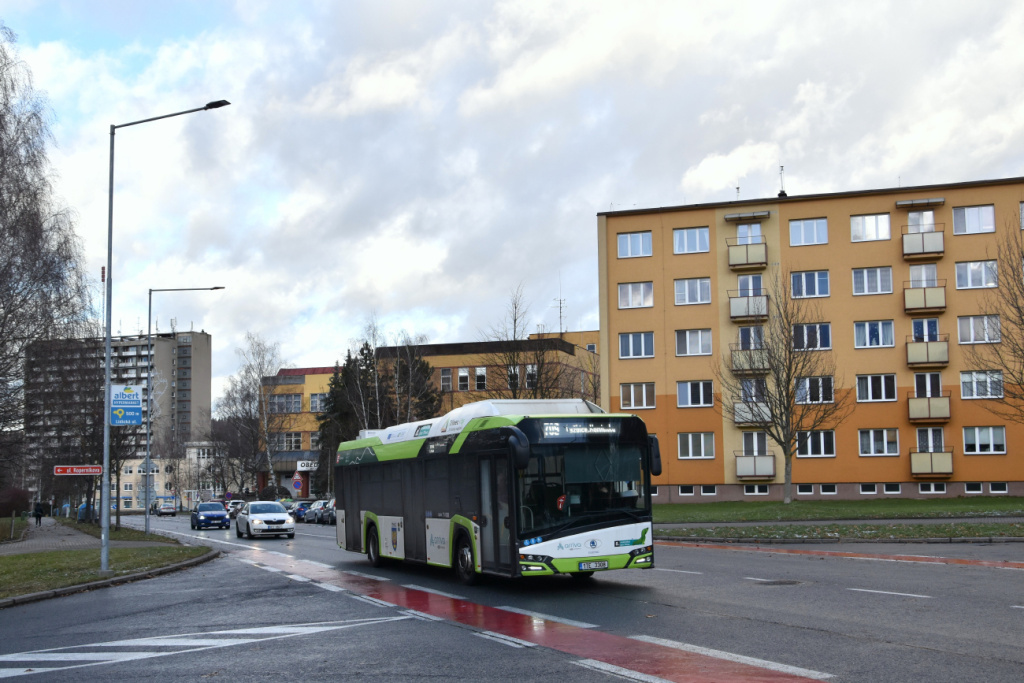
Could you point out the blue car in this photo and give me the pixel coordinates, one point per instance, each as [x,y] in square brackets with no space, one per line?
[210,514]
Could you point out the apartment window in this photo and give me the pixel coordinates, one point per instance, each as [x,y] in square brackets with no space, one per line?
[127,470]
[481,379]
[317,403]
[978,329]
[708,490]
[872,280]
[512,374]
[638,395]
[892,489]
[876,388]
[976,274]
[809,284]
[531,376]
[924,275]
[814,390]
[868,489]
[127,487]
[693,342]
[970,220]
[748,233]
[869,228]
[285,403]
[636,345]
[463,379]
[879,442]
[755,443]
[973,487]
[828,489]
[921,221]
[808,231]
[998,487]
[812,336]
[696,290]
[981,384]
[755,489]
[930,440]
[690,240]
[697,394]
[873,333]
[167,486]
[634,244]
[687,490]
[314,441]
[804,489]
[636,295]
[446,379]
[753,390]
[982,440]
[925,329]
[751,337]
[932,487]
[927,384]
[592,348]
[816,444]
[750,285]
[697,445]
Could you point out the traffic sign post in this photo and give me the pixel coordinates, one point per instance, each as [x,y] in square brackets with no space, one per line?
[297,481]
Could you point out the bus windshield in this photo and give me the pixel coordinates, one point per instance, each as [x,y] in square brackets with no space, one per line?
[575,484]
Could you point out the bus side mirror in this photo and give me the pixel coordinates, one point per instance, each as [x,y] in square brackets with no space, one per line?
[518,448]
[655,456]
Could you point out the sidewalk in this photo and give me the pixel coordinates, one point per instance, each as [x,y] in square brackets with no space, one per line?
[820,522]
[52,536]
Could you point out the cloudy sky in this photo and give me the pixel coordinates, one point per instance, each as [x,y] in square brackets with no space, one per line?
[416,161]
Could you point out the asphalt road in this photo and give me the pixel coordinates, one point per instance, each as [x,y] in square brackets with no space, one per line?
[773,614]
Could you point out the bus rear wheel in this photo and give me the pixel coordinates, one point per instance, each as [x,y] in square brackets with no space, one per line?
[373,547]
[465,567]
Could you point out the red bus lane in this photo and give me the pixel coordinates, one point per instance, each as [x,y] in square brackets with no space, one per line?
[650,659]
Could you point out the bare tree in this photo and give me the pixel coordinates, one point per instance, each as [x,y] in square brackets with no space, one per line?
[997,368]
[43,288]
[782,375]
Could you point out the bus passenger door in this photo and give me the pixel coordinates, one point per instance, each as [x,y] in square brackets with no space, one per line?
[496,527]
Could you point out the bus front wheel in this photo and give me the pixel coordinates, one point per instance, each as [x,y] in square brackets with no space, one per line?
[465,567]
[373,547]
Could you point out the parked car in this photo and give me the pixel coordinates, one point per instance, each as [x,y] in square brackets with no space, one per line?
[167,509]
[330,514]
[234,506]
[314,511]
[264,518]
[299,509]
[210,514]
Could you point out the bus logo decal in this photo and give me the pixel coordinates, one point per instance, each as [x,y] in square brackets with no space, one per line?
[594,544]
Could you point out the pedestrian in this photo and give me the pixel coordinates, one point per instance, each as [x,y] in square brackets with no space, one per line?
[39,514]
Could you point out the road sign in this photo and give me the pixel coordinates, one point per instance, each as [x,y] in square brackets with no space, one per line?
[297,484]
[78,469]
[125,405]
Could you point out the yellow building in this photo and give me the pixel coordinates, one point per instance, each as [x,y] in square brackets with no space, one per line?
[901,277]
[295,401]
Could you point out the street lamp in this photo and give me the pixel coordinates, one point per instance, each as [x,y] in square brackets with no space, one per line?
[149,381]
[105,494]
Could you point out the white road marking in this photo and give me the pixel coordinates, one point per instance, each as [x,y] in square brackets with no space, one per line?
[421,615]
[1017,606]
[319,564]
[548,617]
[754,578]
[431,590]
[371,601]
[270,569]
[629,674]
[678,571]
[296,577]
[740,659]
[905,595]
[503,639]
[365,576]
[330,587]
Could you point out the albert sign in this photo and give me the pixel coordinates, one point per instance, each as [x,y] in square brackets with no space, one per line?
[125,405]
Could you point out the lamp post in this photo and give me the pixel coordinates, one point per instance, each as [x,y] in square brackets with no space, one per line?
[149,381]
[105,494]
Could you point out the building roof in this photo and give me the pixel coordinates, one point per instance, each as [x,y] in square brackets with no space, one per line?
[292,372]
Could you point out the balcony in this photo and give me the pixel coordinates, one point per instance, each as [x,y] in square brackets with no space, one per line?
[745,308]
[755,466]
[748,361]
[931,465]
[928,408]
[923,245]
[747,253]
[750,413]
[928,354]
[928,299]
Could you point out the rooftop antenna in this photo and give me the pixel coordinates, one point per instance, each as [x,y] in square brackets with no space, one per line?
[737,193]
[782,181]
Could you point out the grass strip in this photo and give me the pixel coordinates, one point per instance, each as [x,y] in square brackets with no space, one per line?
[812,510]
[35,572]
[904,532]
[122,534]
[6,534]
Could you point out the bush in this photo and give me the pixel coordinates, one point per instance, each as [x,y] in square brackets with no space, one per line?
[274,492]
[13,500]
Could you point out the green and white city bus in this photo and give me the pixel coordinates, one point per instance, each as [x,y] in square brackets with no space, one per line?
[510,487]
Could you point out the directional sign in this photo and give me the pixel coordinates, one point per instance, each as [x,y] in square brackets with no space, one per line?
[125,405]
[77,469]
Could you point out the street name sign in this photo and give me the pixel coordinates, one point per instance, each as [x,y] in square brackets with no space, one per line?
[78,469]
[125,405]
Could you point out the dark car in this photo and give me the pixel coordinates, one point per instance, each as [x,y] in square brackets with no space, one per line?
[210,514]
[331,513]
[298,510]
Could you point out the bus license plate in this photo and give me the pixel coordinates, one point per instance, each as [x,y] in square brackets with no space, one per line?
[587,566]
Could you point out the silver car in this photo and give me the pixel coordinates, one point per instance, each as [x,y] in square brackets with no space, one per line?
[264,518]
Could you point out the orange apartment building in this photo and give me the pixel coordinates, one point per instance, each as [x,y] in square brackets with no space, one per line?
[901,277]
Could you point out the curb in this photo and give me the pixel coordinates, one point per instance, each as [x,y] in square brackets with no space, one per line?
[784,541]
[107,583]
